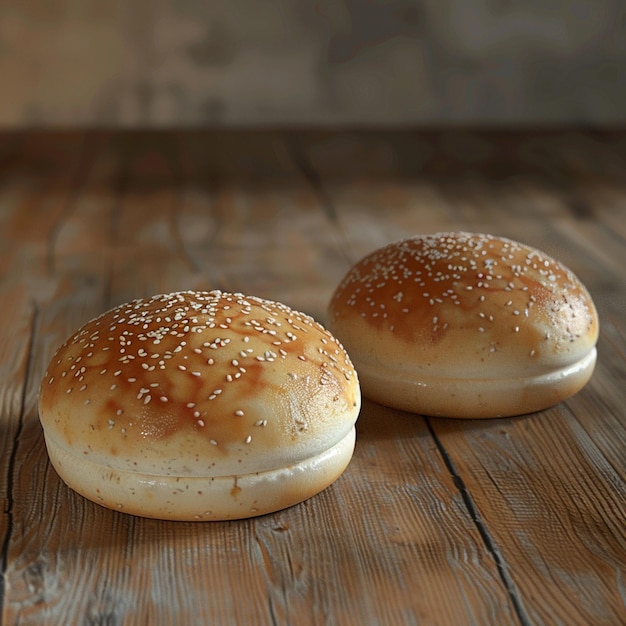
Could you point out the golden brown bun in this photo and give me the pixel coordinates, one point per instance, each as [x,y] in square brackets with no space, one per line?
[200,406]
[465,325]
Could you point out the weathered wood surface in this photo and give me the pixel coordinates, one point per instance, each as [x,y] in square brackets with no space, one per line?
[509,521]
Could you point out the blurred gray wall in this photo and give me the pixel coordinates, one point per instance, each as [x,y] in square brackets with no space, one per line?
[305,62]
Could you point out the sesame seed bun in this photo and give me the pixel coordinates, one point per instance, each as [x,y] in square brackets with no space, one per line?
[465,325]
[200,406]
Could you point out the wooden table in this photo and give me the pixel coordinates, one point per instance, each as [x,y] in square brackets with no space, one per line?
[435,521]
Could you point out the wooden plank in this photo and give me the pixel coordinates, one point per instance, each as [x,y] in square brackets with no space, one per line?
[35,182]
[514,521]
[28,205]
[55,291]
[423,555]
[17,323]
[554,504]
[586,555]
[547,489]
[303,565]
[264,234]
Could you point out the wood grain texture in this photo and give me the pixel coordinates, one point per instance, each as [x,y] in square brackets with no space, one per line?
[554,507]
[512,521]
[547,489]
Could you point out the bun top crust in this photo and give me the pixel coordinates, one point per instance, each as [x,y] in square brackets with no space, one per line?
[199,384]
[463,305]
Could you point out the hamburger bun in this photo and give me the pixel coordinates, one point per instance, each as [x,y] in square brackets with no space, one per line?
[200,406]
[465,325]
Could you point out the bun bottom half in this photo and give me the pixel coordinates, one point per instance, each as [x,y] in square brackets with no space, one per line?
[202,498]
[474,398]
